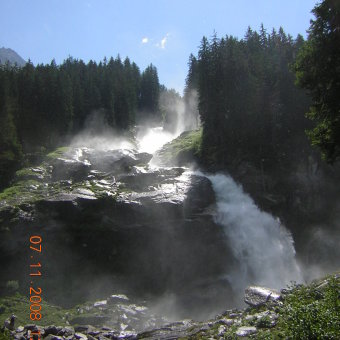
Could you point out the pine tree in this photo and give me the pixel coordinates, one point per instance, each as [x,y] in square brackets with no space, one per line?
[318,70]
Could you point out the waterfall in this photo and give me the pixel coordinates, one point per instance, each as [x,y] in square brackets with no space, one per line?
[261,245]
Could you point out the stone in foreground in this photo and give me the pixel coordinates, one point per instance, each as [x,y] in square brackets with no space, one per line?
[257,296]
[246,331]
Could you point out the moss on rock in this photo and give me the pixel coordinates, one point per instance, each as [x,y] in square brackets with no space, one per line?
[183,150]
[58,152]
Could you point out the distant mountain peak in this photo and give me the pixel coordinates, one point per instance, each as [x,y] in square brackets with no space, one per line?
[8,55]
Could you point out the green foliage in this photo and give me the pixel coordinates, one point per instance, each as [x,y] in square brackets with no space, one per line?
[149,94]
[25,173]
[313,312]
[20,306]
[264,322]
[12,286]
[21,191]
[5,335]
[10,148]
[169,105]
[318,71]
[58,152]
[248,104]
[57,99]
[183,149]
[41,104]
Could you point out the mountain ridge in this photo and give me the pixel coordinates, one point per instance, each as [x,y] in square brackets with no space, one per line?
[9,55]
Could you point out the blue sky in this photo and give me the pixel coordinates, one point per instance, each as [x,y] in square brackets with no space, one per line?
[162,32]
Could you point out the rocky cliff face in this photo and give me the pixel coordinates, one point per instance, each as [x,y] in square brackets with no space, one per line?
[110,221]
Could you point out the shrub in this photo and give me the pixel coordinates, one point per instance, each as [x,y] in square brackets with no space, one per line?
[12,286]
[313,312]
[4,335]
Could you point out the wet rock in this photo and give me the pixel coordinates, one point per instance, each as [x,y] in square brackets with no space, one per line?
[66,331]
[64,169]
[9,323]
[141,181]
[20,329]
[94,332]
[266,319]
[100,303]
[246,331]
[37,174]
[221,330]
[127,335]
[82,328]
[84,193]
[30,327]
[80,336]
[227,322]
[109,335]
[257,296]
[117,298]
[52,330]
[90,337]
[117,160]
[143,158]
[53,337]
[200,195]
[105,328]
[174,330]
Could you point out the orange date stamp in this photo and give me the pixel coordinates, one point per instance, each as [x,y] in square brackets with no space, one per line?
[35,275]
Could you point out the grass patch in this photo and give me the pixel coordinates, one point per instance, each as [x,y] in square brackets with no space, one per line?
[50,314]
[20,306]
[21,191]
[58,152]
[5,335]
[183,149]
[25,173]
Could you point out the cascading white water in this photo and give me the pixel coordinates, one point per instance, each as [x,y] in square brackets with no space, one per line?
[262,246]
[152,139]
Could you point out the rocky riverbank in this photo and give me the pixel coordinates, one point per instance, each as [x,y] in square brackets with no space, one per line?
[302,312]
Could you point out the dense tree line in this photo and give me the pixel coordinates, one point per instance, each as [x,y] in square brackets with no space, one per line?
[249,106]
[318,70]
[39,104]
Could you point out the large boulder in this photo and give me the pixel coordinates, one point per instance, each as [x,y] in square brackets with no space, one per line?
[65,169]
[116,160]
[256,296]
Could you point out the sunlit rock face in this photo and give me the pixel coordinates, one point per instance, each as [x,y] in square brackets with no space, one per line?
[110,221]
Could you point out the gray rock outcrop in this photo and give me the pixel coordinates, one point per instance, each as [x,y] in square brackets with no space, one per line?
[257,296]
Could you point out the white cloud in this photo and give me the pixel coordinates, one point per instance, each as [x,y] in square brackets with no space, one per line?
[163,42]
[145,40]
